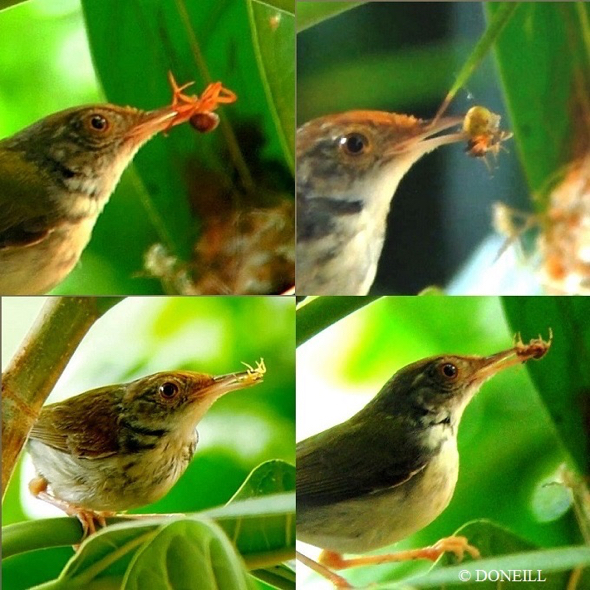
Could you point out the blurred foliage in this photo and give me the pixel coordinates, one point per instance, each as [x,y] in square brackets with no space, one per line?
[312,13]
[511,446]
[181,181]
[381,48]
[563,381]
[208,334]
[544,62]
[317,313]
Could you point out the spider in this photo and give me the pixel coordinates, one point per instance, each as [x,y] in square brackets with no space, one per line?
[198,110]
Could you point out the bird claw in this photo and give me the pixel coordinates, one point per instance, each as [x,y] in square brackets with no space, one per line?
[457,545]
[88,518]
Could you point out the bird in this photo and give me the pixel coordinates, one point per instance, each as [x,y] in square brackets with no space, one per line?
[123,446]
[348,168]
[57,175]
[391,469]
[55,178]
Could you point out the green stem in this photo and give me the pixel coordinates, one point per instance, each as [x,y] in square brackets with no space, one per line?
[265,559]
[36,367]
[491,34]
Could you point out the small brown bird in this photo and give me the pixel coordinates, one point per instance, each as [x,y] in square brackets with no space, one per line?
[123,446]
[57,175]
[348,168]
[55,178]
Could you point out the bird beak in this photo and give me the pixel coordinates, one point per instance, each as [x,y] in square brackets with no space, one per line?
[222,384]
[520,353]
[234,381]
[424,140]
[491,365]
[152,122]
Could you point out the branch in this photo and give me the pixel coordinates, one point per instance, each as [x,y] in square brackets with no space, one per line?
[36,367]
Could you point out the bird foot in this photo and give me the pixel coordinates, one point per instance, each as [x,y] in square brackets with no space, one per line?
[457,545]
[89,519]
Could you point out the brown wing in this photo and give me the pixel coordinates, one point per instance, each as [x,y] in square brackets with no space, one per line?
[24,219]
[85,425]
[349,461]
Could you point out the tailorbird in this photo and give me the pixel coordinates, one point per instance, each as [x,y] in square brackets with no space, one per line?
[123,446]
[391,469]
[348,168]
[57,175]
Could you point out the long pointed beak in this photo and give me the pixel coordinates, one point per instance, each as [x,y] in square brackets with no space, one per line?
[424,141]
[153,122]
[223,384]
[493,364]
[520,353]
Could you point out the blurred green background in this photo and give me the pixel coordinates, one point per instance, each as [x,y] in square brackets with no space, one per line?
[511,442]
[404,57]
[140,336]
[58,53]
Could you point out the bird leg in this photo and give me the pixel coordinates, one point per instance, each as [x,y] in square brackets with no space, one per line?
[89,519]
[338,581]
[456,545]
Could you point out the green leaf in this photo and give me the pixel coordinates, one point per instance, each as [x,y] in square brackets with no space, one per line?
[544,62]
[562,377]
[24,571]
[273,37]
[281,576]
[495,27]
[317,314]
[312,13]
[497,23]
[7,3]
[185,552]
[261,529]
[270,477]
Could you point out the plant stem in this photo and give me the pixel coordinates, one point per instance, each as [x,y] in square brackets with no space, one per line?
[36,367]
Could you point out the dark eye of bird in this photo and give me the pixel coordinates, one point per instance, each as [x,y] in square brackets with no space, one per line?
[98,122]
[449,370]
[354,143]
[168,390]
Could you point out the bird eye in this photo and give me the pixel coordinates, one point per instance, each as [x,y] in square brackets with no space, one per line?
[354,144]
[449,370]
[168,390]
[98,122]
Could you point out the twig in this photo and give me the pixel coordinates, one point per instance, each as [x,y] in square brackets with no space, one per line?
[36,367]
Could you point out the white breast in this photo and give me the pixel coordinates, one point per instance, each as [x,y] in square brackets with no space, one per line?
[374,521]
